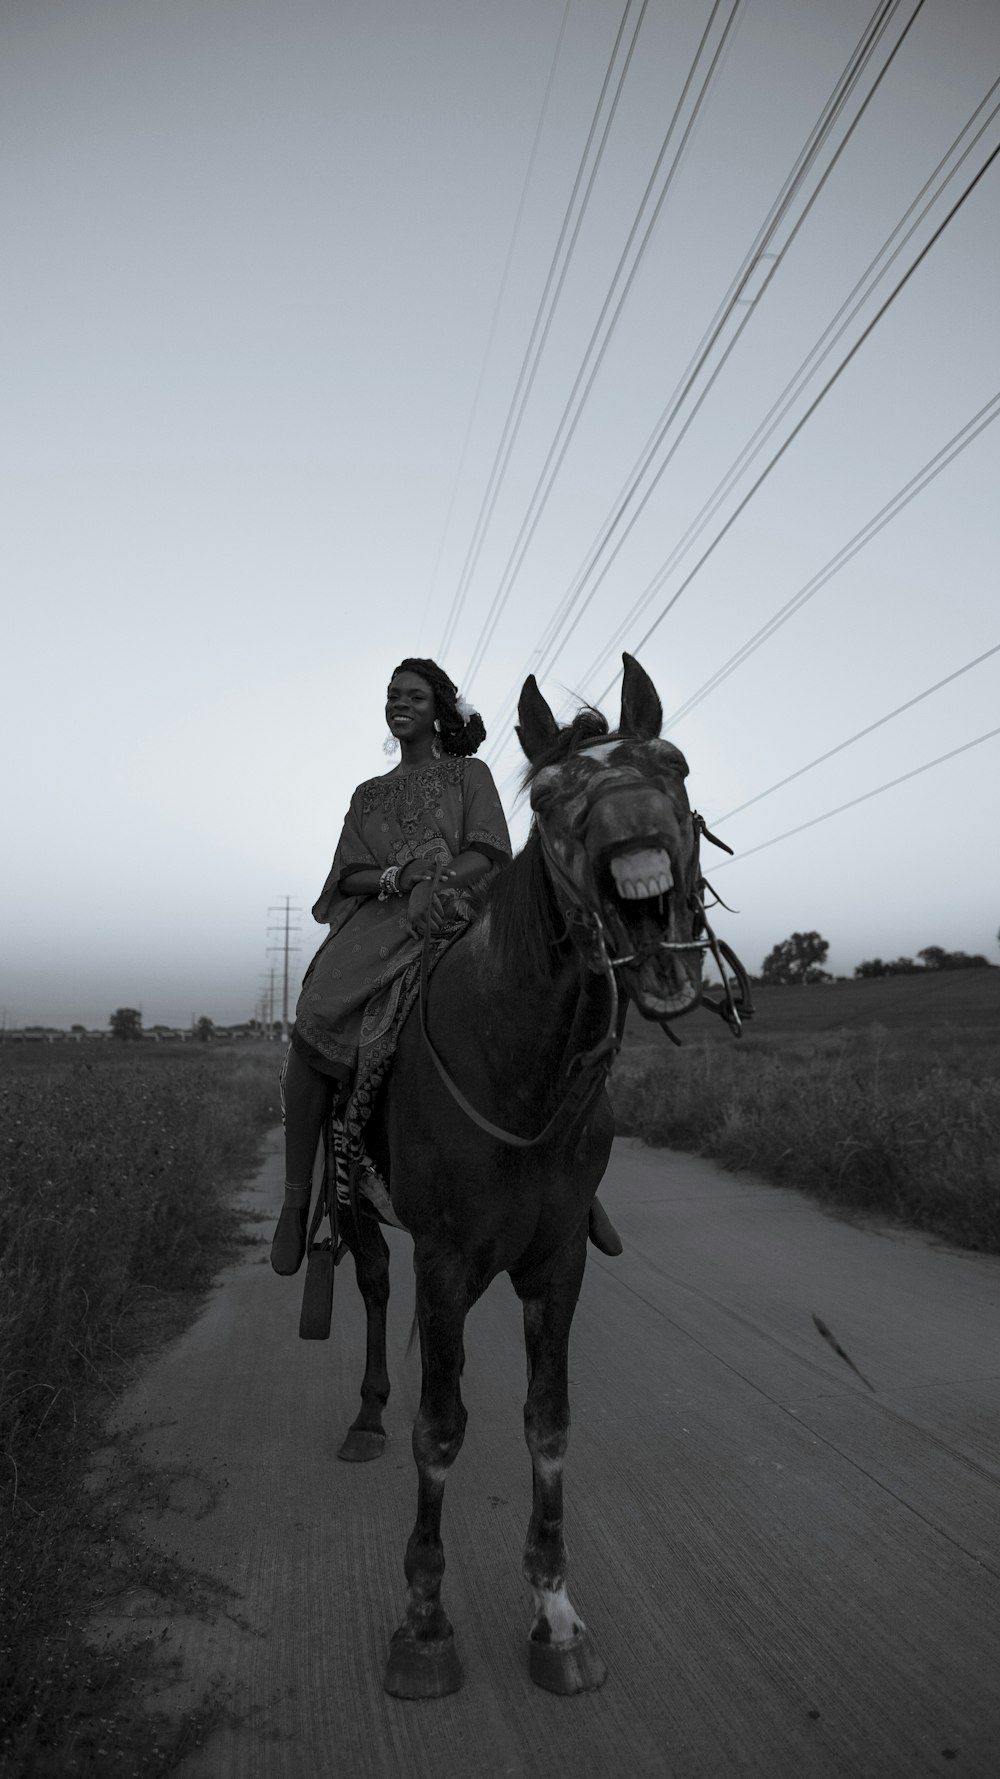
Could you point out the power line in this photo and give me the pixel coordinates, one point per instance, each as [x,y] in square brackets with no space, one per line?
[955,446]
[854,801]
[540,328]
[570,416]
[515,233]
[861,733]
[758,254]
[810,411]
[821,349]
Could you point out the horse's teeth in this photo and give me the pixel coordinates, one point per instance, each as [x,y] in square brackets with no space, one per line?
[641,875]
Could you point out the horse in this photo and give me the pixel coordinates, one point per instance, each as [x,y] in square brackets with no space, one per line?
[518,1027]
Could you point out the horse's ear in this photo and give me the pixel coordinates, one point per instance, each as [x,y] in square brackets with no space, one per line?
[537,727]
[642,712]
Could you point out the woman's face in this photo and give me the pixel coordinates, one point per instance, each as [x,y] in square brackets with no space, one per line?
[409,707]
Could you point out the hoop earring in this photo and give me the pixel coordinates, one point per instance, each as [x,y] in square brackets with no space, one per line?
[390,746]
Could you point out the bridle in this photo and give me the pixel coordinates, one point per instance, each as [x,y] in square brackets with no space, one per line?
[580,913]
[584,917]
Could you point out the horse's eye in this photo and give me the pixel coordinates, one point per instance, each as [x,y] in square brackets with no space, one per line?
[544,789]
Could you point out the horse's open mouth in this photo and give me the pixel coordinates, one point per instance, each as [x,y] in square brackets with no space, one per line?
[641,909]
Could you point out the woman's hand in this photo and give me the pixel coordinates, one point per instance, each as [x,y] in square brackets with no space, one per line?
[415,871]
[425,909]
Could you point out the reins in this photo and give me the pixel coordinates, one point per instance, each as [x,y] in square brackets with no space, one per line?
[594,1065]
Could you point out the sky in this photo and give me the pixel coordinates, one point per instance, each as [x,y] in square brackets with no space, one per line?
[275,274]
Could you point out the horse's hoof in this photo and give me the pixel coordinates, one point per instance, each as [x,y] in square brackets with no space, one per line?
[422,1670]
[566,1668]
[361,1445]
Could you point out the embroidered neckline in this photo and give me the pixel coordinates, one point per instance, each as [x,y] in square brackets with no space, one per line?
[420,786]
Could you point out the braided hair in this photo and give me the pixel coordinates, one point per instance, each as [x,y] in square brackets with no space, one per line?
[462,730]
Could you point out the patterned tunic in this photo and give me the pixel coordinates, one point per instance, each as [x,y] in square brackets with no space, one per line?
[351,991]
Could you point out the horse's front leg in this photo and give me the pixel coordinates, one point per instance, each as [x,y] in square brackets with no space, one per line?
[366,1436]
[561,1656]
[423,1663]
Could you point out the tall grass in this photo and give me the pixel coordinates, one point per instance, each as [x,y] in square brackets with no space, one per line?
[860,1120]
[115,1208]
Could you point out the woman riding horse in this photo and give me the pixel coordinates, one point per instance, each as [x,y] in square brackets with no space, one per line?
[438,807]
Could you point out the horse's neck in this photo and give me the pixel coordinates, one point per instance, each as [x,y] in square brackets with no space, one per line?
[536,1025]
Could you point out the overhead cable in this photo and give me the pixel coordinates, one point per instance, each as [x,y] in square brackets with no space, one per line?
[837,327]
[515,233]
[617,293]
[548,301]
[762,254]
[881,519]
[891,784]
[810,411]
[860,734]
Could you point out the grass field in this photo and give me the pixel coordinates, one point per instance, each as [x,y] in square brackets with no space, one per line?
[115,1213]
[877,1096]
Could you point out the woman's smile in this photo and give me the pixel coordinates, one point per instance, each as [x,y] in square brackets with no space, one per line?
[409,709]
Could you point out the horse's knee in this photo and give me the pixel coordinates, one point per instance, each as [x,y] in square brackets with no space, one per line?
[437,1442]
[546,1430]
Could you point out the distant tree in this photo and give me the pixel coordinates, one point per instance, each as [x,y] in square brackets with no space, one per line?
[936,958]
[798,959]
[77,1028]
[126,1023]
[872,966]
[204,1029]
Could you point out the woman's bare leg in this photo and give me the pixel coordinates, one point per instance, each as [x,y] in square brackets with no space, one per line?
[308,1098]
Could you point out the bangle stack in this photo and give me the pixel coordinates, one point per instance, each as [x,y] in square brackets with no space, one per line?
[388,883]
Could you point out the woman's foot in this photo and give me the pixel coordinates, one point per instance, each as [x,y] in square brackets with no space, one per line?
[288,1245]
[602,1231]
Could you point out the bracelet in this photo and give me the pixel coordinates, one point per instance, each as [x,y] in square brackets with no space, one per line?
[388,883]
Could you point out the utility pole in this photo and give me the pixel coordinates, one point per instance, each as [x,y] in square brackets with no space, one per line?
[285,932]
[267,1004]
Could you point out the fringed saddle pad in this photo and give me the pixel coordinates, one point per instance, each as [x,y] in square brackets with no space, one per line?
[346,1155]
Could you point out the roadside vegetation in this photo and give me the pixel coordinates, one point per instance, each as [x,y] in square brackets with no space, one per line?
[115,1212]
[880,1097]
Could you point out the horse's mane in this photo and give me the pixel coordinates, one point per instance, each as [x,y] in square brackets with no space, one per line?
[526,928]
[526,931]
[587,727]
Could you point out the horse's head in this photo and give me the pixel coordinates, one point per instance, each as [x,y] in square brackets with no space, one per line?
[620,842]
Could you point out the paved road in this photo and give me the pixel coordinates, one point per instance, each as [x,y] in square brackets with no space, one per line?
[788,1574]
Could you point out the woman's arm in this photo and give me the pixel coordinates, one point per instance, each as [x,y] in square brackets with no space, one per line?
[465,868]
[461,871]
